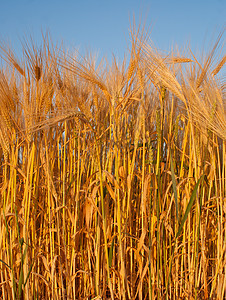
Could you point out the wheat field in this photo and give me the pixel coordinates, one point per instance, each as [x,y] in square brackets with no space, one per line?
[112,177]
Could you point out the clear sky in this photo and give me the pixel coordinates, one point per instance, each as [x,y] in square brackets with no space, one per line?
[102,26]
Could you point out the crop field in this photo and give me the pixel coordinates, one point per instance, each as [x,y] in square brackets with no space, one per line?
[112,174]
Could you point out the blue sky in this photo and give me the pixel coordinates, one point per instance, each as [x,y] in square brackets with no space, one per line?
[103,26]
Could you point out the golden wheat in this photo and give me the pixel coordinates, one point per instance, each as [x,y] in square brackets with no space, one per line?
[112,178]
